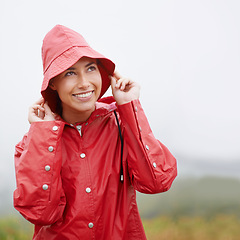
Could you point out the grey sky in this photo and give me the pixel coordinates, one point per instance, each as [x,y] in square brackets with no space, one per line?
[185,54]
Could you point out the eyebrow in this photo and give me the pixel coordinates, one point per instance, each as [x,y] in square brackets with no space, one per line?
[87,65]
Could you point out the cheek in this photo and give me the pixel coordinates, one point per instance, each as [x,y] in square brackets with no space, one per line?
[63,88]
[98,82]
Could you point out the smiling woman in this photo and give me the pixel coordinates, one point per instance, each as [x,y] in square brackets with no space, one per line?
[83,151]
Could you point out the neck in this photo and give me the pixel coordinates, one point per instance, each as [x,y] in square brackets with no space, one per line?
[73,117]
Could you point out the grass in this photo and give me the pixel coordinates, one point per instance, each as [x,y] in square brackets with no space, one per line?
[221,227]
[14,228]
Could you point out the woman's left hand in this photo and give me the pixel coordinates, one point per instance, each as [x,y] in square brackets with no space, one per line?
[124,89]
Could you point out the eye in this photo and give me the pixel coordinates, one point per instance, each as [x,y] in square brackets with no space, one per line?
[91,68]
[70,73]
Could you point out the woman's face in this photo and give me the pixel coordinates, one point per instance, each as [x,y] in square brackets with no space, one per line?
[79,88]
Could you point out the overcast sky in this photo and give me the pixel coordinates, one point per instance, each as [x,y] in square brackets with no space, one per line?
[184,53]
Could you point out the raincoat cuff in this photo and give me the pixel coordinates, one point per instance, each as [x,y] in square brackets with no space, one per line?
[54,126]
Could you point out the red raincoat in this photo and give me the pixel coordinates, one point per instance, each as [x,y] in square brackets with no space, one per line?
[68,181]
[68,176]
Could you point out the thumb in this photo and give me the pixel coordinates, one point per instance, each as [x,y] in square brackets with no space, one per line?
[49,115]
[47,109]
[113,82]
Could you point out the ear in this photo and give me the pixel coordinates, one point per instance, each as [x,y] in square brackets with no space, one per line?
[51,84]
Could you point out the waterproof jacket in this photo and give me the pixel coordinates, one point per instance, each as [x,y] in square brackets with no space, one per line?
[68,176]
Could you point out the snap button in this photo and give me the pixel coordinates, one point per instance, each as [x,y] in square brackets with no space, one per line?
[136,109]
[47,168]
[45,187]
[154,165]
[88,190]
[55,128]
[147,147]
[50,149]
[82,155]
[90,225]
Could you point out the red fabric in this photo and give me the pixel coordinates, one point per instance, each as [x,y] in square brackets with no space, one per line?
[84,177]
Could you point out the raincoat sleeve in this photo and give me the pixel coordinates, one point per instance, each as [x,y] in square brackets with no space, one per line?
[151,166]
[39,196]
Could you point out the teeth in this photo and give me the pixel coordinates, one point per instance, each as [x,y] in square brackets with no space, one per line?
[83,95]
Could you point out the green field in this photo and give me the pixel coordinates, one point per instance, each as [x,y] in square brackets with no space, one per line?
[15,228]
[222,227]
[193,228]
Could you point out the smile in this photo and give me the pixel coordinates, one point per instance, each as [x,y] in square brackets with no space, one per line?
[83,95]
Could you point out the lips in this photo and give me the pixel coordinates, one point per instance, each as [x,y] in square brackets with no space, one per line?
[83,95]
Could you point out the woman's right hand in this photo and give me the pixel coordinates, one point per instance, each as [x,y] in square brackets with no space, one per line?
[40,111]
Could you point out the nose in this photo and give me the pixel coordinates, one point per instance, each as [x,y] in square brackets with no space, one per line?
[83,82]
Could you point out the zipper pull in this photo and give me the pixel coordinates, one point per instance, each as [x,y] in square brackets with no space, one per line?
[79,128]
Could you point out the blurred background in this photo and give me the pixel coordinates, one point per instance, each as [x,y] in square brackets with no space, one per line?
[186,56]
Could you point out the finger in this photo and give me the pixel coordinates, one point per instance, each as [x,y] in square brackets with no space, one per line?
[41,114]
[123,82]
[117,75]
[119,82]
[113,81]
[39,101]
[36,112]
[49,115]
[47,109]
[35,108]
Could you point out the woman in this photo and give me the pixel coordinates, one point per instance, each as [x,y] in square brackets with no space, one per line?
[78,167]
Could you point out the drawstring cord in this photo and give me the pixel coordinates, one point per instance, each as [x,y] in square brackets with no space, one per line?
[121,138]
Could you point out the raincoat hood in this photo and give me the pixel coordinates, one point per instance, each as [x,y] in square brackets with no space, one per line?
[62,47]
